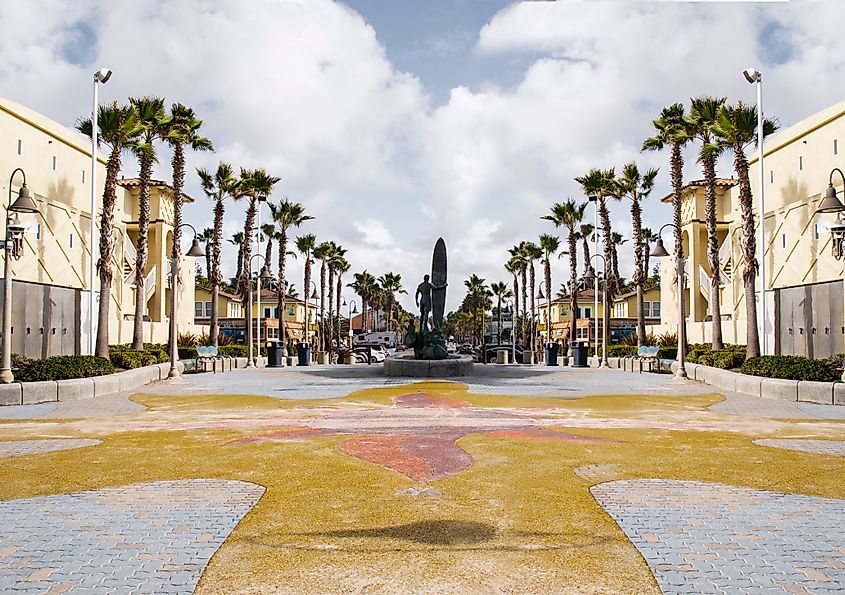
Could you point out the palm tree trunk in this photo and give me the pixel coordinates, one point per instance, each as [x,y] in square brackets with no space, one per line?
[639,273]
[573,288]
[329,324]
[246,263]
[713,250]
[216,276]
[178,163]
[677,165]
[280,305]
[146,174]
[307,281]
[268,253]
[610,278]
[337,304]
[533,325]
[322,325]
[646,258]
[586,246]
[547,274]
[104,264]
[515,313]
[749,250]
[523,273]
[499,320]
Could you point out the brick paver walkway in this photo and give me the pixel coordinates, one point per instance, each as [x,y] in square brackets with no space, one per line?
[713,538]
[147,538]
[835,448]
[16,448]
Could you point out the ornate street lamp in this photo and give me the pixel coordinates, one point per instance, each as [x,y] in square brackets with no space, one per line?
[659,251]
[195,251]
[264,276]
[12,249]
[590,277]
[831,204]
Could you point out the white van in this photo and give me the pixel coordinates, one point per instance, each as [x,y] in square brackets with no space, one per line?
[386,338]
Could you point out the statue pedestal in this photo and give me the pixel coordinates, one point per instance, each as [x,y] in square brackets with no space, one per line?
[450,367]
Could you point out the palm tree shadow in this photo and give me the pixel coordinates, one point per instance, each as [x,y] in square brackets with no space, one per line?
[442,532]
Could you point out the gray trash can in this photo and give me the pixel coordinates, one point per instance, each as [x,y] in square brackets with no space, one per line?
[551,354]
[303,352]
[274,354]
[579,354]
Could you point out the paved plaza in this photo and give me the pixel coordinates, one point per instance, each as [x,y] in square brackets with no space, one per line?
[338,479]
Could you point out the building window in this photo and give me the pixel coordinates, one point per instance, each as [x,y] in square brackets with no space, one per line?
[268,313]
[83,176]
[655,309]
[835,147]
[208,309]
[290,311]
[815,231]
[783,239]
[70,240]
[800,163]
[37,231]
[771,176]
[647,309]
[54,163]
[197,309]
[20,147]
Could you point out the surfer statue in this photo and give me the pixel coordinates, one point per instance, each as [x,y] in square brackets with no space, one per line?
[431,300]
[423,299]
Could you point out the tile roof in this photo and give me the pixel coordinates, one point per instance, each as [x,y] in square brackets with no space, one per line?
[720,183]
[136,182]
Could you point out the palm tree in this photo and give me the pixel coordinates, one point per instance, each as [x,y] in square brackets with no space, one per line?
[364,285]
[636,187]
[518,254]
[237,239]
[335,257]
[648,237]
[154,120]
[342,267]
[702,117]
[674,131]
[514,266]
[569,214]
[119,128]
[736,128]
[549,245]
[268,230]
[585,234]
[207,237]
[305,244]
[286,215]
[501,291]
[217,187]
[181,132]
[532,252]
[474,302]
[322,253]
[617,239]
[391,283]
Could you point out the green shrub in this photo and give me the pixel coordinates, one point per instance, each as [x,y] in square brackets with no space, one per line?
[18,360]
[233,350]
[621,350]
[728,360]
[667,352]
[706,359]
[836,361]
[63,367]
[129,359]
[790,367]
[187,353]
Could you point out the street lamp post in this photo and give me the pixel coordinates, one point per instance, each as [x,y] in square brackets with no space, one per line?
[541,296]
[831,204]
[591,276]
[263,276]
[307,317]
[14,230]
[101,76]
[261,198]
[755,77]
[353,309]
[196,250]
[659,251]
[595,199]
[513,338]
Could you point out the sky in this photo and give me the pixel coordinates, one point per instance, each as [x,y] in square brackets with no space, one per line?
[395,122]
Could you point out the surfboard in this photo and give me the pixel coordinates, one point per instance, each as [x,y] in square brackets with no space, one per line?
[438,277]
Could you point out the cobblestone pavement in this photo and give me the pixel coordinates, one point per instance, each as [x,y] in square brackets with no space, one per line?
[16,448]
[713,538]
[834,448]
[143,538]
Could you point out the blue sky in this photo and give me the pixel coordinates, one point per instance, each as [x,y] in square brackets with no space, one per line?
[396,121]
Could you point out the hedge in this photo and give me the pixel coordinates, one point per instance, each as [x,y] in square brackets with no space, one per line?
[790,367]
[239,350]
[63,367]
[123,356]
[621,350]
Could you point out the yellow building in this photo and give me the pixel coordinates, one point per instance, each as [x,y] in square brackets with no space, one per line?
[625,305]
[560,315]
[228,305]
[803,279]
[50,280]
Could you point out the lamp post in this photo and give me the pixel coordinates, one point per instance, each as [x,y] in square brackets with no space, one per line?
[261,198]
[14,230]
[101,76]
[541,296]
[307,305]
[353,309]
[595,199]
[755,77]
[513,338]
[831,204]
[591,276]
[659,251]
[263,276]
[195,250]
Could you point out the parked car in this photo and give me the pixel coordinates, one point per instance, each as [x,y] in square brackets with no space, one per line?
[378,353]
[491,350]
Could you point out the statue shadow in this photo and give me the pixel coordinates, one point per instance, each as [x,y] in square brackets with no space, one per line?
[439,532]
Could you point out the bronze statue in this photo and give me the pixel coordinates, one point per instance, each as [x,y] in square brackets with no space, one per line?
[423,299]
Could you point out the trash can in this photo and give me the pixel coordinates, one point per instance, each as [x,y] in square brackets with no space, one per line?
[303,352]
[274,354]
[551,354]
[579,354]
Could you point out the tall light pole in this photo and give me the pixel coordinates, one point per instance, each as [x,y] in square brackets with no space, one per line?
[591,276]
[263,276]
[755,77]
[595,199]
[196,250]
[541,296]
[831,204]
[14,230]
[261,198]
[513,338]
[659,251]
[307,318]
[101,76]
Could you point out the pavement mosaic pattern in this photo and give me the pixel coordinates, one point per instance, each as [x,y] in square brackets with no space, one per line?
[417,436]
[835,448]
[152,537]
[713,538]
[17,448]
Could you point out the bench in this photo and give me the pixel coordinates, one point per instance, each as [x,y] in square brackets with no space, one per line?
[647,354]
[208,354]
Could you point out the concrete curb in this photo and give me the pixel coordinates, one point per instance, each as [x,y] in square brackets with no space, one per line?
[10,394]
[39,392]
